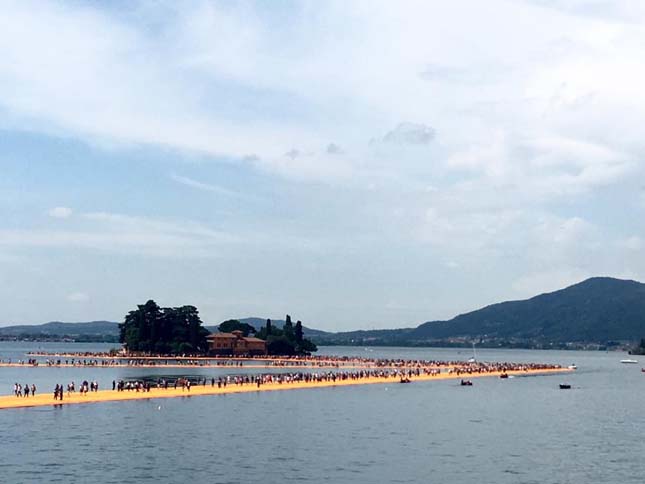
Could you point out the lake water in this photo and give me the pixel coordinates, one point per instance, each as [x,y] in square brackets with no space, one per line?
[520,430]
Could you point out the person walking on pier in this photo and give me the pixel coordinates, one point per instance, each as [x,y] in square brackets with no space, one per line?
[33,390]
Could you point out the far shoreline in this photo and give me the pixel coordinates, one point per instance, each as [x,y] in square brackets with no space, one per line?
[590,347]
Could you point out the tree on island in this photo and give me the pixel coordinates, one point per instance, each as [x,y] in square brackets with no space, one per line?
[289,340]
[235,325]
[298,334]
[640,349]
[288,329]
[152,329]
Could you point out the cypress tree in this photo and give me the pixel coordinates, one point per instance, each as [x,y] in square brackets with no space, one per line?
[288,328]
[299,333]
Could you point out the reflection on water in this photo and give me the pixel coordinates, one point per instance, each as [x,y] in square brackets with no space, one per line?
[521,430]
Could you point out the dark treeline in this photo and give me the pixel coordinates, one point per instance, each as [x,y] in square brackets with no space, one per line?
[153,329]
[640,349]
[231,325]
[289,340]
[286,341]
[69,338]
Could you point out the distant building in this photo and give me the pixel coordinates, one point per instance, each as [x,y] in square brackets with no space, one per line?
[235,343]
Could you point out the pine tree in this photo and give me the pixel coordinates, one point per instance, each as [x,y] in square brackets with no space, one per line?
[299,333]
[288,329]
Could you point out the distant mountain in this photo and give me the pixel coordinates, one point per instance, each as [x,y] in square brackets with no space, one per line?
[599,310]
[107,331]
[258,323]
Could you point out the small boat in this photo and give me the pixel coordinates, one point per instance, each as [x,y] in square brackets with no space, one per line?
[572,367]
[473,359]
[466,383]
[643,370]
[405,380]
[504,375]
[565,386]
[629,362]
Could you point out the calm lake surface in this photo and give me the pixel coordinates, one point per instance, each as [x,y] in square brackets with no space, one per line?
[520,430]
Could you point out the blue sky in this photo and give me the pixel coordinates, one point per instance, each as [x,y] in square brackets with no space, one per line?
[355,164]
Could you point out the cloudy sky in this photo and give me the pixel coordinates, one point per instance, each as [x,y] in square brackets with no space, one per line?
[356,164]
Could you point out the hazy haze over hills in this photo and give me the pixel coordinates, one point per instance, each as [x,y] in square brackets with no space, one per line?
[599,309]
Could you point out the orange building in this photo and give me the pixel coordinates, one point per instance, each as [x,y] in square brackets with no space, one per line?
[235,343]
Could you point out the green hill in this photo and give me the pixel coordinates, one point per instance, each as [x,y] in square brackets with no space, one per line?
[599,310]
[99,331]
[596,310]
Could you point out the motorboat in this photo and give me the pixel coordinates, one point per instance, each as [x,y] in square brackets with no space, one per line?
[466,383]
[504,375]
[629,362]
[565,386]
[572,367]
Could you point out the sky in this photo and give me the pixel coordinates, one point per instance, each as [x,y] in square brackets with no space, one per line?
[356,164]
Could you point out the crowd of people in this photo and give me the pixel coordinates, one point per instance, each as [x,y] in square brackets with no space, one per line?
[318,361]
[499,367]
[24,390]
[405,370]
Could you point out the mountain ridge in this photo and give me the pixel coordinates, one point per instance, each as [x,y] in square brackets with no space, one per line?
[598,310]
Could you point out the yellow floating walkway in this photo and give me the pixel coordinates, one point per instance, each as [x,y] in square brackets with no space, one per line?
[228,367]
[47,399]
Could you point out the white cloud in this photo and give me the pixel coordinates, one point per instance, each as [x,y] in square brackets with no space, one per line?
[543,167]
[101,78]
[127,234]
[154,237]
[208,187]
[536,283]
[78,297]
[408,134]
[60,212]
[207,79]
[632,243]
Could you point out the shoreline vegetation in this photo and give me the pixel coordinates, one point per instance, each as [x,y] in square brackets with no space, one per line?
[375,342]
[638,350]
[600,313]
[151,329]
[408,371]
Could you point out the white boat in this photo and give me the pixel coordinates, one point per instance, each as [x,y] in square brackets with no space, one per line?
[474,357]
[628,361]
[573,367]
